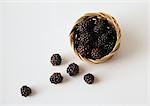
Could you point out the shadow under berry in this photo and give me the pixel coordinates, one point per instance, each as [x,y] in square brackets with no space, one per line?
[65,79]
[81,70]
[33,92]
[96,79]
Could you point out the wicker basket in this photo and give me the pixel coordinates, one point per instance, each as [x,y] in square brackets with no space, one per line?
[111,21]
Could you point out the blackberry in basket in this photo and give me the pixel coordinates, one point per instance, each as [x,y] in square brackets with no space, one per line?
[95,37]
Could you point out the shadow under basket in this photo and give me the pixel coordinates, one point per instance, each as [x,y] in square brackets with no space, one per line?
[112,22]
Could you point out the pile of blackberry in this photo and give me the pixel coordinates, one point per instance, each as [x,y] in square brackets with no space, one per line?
[94,38]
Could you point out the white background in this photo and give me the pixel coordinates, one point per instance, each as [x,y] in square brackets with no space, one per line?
[32,32]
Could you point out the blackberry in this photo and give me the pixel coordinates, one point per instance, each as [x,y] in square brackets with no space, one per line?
[96,29]
[83,50]
[56,78]
[111,40]
[108,47]
[100,26]
[91,23]
[86,25]
[25,91]
[110,30]
[96,53]
[82,26]
[56,59]
[85,38]
[111,33]
[102,39]
[73,69]
[89,78]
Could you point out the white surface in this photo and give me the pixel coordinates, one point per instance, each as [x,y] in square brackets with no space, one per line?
[85,1]
[31,33]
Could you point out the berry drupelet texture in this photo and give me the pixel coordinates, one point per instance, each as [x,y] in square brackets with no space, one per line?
[56,78]
[85,38]
[100,26]
[73,69]
[25,91]
[56,59]
[96,53]
[89,78]
[83,50]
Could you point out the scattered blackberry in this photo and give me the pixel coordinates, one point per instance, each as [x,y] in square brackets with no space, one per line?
[89,78]
[56,59]
[56,78]
[96,53]
[73,69]
[25,91]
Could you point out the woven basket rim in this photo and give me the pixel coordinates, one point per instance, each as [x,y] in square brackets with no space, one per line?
[111,21]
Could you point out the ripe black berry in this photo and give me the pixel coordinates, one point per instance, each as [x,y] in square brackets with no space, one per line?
[85,38]
[89,78]
[101,26]
[102,39]
[73,69]
[82,26]
[56,78]
[56,59]
[83,50]
[25,91]
[96,53]
[91,23]
[108,47]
